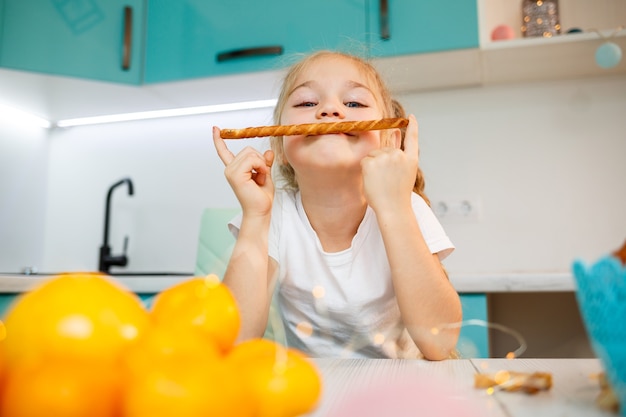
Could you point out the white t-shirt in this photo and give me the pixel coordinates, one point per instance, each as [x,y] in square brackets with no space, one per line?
[341,304]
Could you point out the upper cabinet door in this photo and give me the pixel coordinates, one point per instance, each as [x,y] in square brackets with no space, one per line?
[399,27]
[95,39]
[198,38]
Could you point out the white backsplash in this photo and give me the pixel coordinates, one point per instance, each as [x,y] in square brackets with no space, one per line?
[546,161]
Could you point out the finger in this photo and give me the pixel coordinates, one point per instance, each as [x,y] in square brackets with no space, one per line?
[411,146]
[269,158]
[262,174]
[220,146]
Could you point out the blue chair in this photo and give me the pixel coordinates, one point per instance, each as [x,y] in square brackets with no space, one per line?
[215,242]
[215,245]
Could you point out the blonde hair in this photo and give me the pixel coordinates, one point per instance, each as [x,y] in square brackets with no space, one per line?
[388,106]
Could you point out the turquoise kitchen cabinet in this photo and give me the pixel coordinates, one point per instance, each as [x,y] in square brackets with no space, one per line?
[151,41]
[93,39]
[401,27]
[1,23]
[196,38]
[5,303]
[474,339]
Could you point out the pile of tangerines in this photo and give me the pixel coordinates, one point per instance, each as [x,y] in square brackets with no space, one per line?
[82,345]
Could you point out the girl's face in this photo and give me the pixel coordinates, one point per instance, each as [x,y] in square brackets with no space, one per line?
[330,89]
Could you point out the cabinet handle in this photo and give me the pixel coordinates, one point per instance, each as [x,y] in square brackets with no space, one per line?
[128,37]
[384,20]
[249,52]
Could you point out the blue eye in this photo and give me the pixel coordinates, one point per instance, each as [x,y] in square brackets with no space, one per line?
[354,104]
[305,104]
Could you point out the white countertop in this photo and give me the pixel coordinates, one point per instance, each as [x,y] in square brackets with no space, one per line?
[464,283]
[513,282]
[139,284]
[409,387]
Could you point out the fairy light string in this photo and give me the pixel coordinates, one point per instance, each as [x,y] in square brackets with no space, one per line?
[358,340]
[503,379]
[521,342]
[306,329]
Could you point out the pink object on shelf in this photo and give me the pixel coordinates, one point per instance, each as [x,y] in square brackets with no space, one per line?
[502,32]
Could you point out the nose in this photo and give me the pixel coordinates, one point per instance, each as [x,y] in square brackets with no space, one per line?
[330,108]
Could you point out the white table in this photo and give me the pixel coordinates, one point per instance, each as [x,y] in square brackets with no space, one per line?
[450,384]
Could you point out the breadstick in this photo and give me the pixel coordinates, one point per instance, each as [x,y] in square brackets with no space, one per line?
[313,129]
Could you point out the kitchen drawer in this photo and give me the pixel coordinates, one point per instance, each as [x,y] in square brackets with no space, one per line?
[94,39]
[402,27]
[198,38]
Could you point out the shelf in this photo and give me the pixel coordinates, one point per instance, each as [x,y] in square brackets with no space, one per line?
[569,55]
[511,61]
[570,38]
[605,15]
[427,72]
[544,59]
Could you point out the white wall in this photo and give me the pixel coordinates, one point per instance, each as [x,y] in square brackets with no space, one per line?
[175,171]
[23,166]
[546,160]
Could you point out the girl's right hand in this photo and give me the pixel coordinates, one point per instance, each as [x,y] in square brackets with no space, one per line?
[249,175]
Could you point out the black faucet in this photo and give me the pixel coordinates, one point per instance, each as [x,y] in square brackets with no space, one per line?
[106,259]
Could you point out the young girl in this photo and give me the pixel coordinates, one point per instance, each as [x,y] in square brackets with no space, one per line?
[355,253]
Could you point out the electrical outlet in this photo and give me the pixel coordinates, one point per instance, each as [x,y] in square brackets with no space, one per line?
[458,209]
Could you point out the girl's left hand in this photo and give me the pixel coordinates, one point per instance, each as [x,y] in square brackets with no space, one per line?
[389,173]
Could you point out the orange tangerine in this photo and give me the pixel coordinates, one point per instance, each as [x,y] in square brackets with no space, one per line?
[185,387]
[203,303]
[2,359]
[82,316]
[160,343]
[3,334]
[61,388]
[282,382]
[250,350]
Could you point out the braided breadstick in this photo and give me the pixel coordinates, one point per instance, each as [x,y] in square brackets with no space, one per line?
[313,129]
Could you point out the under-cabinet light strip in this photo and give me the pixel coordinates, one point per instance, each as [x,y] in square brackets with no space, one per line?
[20,116]
[187,111]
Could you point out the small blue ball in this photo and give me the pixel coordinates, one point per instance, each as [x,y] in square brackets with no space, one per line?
[608,55]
